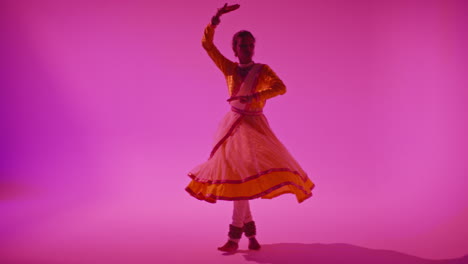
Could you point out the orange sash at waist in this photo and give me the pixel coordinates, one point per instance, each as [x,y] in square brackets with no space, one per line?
[246,112]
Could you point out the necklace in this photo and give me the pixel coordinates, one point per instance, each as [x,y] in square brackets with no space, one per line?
[244,69]
[246,64]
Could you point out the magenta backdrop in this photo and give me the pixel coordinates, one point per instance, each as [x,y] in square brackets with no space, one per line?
[106,105]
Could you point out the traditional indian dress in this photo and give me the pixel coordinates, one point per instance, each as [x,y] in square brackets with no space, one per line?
[247,160]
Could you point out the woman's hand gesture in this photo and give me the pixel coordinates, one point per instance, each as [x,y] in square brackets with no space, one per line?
[243,98]
[226,9]
[223,10]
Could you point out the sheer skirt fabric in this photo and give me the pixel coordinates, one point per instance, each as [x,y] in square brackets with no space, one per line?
[248,161]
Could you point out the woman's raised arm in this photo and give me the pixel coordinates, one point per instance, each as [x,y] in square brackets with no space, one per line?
[221,62]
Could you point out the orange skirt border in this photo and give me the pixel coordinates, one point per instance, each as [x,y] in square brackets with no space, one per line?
[265,185]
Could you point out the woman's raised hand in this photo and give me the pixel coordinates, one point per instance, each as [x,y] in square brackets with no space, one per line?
[223,10]
[226,9]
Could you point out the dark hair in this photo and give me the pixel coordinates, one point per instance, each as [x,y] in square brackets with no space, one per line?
[241,34]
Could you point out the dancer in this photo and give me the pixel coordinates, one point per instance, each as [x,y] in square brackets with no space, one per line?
[247,160]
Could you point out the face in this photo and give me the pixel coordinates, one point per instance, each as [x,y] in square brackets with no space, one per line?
[244,49]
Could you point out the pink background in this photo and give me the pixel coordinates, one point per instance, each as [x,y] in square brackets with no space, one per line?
[106,105]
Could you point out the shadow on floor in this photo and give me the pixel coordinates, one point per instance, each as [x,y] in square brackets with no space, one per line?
[288,253]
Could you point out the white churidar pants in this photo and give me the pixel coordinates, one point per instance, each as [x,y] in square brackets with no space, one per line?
[241,214]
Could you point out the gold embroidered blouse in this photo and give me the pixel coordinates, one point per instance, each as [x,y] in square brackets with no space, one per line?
[268,86]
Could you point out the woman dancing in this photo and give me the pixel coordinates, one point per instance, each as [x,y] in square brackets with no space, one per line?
[247,160]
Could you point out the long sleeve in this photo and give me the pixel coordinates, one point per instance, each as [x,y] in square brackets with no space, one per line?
[273,84]
[225,65]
